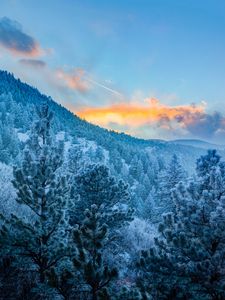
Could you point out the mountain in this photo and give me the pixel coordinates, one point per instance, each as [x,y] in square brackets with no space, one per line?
[137,161]
[198,144]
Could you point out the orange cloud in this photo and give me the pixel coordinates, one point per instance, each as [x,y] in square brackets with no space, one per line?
[73,80]
[136,115]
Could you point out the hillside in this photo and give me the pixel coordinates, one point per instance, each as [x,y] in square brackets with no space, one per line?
[26,96]
[131,182]
[198,144]
[138,162]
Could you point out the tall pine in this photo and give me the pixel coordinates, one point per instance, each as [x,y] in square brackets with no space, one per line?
[39,240]
[90,239]
[167,181]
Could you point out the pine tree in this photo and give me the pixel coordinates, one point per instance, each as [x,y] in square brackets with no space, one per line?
[75,158]
[167,181]
[136,168]
[89,240]
[115,161]
[188,259]
[62,280]
[96,186]
[40,241]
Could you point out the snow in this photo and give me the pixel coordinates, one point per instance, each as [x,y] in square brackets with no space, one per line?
[23,137]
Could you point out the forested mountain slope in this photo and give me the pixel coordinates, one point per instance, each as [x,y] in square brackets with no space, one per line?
[80,207]
[138,162]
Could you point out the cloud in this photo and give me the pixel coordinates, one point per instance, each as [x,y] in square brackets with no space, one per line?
[78,79]
[136,114]
[73,80]
[16,41]
[207,125]
[36,63]
[142,119]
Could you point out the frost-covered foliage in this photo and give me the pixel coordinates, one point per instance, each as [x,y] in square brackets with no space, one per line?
[58,260]
[188,259]
[90,240]
[96,186]
[7,192]
[9,142]
[79,202]
[139,235]
[39,242]
[135,161]
[8,203]
[167,181]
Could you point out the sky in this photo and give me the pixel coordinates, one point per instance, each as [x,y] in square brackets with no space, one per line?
[149,68]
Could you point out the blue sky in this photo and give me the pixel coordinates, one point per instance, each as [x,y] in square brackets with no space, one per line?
[107,60]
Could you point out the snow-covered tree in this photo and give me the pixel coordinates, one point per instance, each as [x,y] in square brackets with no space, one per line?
[74,160]
[90,240]
[136,168]
[41,188]
[188,259]
[115,161]
[96,186]
[9,143]
[167,181]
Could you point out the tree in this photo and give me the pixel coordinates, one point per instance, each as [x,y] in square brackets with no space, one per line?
[115,161]
[75,159]
[40,241]
[96,186]
[136,168]
[188,259]
[89,240]
[167,181]
[9,143]
[7,192]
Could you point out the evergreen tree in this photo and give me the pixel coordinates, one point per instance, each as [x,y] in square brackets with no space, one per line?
[115,161]
[75,158]
[167,181]
[96,186]
[136,168]
[7,192]
[90,240]
[188,259]
[62,280]
[39,241]
[9,142]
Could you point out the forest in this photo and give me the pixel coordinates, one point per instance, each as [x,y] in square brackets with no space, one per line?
[90,214]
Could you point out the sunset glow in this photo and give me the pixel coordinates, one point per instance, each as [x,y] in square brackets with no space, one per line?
[136,115]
